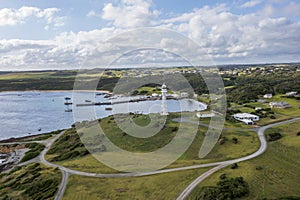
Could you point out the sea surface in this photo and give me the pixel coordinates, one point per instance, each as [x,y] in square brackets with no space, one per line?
[26,113]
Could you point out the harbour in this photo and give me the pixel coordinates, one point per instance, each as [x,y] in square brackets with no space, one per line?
[24,113]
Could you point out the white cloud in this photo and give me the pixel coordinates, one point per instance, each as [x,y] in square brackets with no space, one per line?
[251,3]
[130,13]
[93,13]
[290,9]
[224,35]
[11,17]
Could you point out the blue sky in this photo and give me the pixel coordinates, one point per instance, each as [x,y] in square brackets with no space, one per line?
[43,34]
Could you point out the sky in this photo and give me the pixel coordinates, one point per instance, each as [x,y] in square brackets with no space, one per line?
[43,34]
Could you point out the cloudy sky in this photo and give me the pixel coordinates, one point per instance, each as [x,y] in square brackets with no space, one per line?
[43,34]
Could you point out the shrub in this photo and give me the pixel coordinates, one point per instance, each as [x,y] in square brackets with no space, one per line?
[35,150]
[233,188]
[223,176]
[274,136]
[222,140]
[30,155]
[298,134]
[175,129]
[235,140]
[234,166]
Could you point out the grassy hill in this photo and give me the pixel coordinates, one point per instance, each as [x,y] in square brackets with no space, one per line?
[69,151]
[273,175]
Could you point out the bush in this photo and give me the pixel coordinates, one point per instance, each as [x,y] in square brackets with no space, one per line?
[233,188]
[65,156]
[298,134]
[234,166]
[235,140]
[175,129]
[35,150]
[223,176]
[274,136]
[30,155]
[222,140]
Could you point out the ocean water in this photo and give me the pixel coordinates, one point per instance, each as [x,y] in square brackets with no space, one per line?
[25,113]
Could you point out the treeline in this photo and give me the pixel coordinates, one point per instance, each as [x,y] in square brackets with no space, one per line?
[250,87]
[240,88]
[54,83]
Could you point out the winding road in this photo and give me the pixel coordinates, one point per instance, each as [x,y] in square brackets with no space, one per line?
[186,192]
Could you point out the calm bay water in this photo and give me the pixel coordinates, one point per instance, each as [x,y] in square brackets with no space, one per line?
[24,113]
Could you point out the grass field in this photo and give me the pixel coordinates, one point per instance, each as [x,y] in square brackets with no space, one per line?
[292,111]
[156,187]
[247,144]
[279,174]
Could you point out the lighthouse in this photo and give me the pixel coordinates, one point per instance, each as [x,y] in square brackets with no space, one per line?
[164,98]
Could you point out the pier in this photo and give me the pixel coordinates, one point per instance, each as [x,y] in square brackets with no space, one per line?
[124,101]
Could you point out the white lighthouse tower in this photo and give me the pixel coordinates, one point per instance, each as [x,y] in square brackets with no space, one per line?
[164,98]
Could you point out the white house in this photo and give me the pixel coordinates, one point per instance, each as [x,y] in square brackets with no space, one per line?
[246,118]
[184,95]
[281,104]
[290,94]
[205,115]
[262,101]
[268,96]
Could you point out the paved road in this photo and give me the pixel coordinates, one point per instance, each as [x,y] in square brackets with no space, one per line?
[63,185]
[263,146]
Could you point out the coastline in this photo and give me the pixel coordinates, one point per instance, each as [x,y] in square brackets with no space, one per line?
[92,91]
[26,137]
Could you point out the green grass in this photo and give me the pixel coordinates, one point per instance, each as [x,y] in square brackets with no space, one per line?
[162,186]
[86,163]
[247,144]
[228,124]
[34,181]
[292,111]
[66,147]
[135,144]
[39,137]
[25,75]
[268,120]
[279,176]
